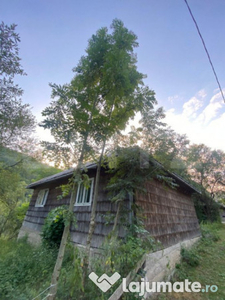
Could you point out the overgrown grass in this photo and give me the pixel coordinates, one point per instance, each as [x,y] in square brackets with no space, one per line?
[117,256]
[205,263]
[25,270]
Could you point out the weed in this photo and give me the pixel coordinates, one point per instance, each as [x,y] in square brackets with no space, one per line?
[24,269]
[190,256]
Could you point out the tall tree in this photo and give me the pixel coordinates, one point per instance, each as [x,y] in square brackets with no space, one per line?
[16,119]
[69,118]
[105,93]
[73,120]
[163,143]
[122,90]
[207,168]
[16,124]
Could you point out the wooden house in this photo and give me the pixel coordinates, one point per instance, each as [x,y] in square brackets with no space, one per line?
[169,214]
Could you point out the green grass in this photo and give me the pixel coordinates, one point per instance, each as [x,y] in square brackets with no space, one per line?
[25,270]
[204,263]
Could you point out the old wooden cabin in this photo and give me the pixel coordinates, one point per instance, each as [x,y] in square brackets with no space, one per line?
[169,214]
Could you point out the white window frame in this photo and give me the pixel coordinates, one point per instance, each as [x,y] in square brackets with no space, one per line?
[85,191]
[42,198]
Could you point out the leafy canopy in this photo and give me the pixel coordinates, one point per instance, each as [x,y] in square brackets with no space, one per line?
[106,91]
[16,119]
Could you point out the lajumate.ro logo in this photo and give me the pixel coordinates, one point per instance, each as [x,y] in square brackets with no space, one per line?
[105,282]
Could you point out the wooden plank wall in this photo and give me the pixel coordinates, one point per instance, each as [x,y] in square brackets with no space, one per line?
[83,214]
[36,215]
[169,215]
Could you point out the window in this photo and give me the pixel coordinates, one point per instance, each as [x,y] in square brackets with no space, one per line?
[84,196]
[41,198]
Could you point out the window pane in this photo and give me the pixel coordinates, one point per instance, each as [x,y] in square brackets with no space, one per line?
[45,195]
[42,197]
[81,193]
[84,195]
[87,196]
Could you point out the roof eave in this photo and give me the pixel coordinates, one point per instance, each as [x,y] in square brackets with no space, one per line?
[58,176]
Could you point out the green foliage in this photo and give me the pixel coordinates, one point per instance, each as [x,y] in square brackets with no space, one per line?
[127,173]
[197,254]
[198,164]
[206,167]
[206,208]
[24,269]
[210,232]
[11,198]
[52,229]
[71,281]
[122,255]
[130,252]
[210,269]
[16,119]
[106,91]
[117,255]
[21,211]
[131,168]
[16,171]
[190,257]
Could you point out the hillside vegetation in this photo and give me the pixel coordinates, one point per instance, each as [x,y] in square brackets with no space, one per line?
[25,270]
[17,170]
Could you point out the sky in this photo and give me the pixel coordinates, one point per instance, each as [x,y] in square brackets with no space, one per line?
[54,35]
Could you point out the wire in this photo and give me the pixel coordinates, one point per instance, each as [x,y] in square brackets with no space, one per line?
[43,292]
[46,297]
[203,42]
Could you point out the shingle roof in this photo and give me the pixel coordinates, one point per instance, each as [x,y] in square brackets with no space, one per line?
[69,172]
[175,176]
[63,174]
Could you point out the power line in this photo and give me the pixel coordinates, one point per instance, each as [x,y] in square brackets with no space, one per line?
[203,42]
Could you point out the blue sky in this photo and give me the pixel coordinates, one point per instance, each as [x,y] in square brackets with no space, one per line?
[54,36]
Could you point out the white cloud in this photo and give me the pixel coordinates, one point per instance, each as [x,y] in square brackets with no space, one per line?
[212,109]
[201,126]
[194,104]
[202,94]
[171,99]
[190,107]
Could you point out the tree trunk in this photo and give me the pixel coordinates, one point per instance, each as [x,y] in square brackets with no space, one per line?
[66,231]
[62,248]
[117,216]
[94,205]
[93,212]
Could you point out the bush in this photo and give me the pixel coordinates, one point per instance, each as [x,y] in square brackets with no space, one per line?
[53,227]
[206,208]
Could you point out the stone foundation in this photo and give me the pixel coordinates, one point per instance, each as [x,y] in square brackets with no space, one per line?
[160,265]
[31,232]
